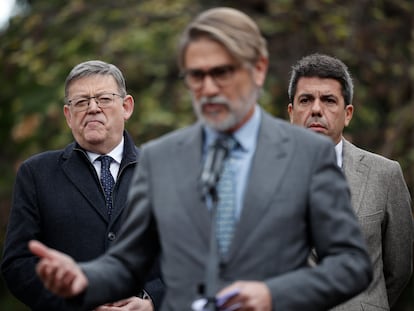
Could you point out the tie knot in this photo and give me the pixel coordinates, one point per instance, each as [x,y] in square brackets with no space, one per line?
[105,160]
[228,142]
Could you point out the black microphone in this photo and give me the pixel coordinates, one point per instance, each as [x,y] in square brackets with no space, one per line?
[213,167]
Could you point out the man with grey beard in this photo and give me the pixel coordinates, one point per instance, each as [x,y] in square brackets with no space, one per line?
[233,203]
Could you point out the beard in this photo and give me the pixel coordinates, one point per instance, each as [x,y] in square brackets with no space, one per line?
[235,112]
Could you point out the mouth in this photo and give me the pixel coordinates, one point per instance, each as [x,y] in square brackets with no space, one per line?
[212,108]
[317,127]
[93,123]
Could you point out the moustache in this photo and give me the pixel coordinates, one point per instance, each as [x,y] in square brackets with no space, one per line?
[217,100]
[314,121]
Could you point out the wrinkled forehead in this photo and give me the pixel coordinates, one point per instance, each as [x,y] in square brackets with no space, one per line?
[324,86]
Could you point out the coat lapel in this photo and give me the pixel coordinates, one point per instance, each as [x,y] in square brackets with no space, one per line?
[267,170]
[189,156]
[356,173]
[85,182]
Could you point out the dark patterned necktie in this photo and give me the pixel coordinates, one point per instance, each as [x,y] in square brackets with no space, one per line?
[107,181]
[226,207]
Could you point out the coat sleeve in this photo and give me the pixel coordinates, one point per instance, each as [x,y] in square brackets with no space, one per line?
[344,267]
[154,286]
[398,235]
[18,264]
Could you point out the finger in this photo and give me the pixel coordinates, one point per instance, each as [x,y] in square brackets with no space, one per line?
[80,283]
[46,271]
[233,303]
[120,303]
[68,286]
[65,282]
[231,290]
[232,307]
[39,249]
[228,295]
[64,278]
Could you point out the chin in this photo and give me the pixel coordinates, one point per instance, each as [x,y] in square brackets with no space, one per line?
[318,131]
[222,125]
[94,138]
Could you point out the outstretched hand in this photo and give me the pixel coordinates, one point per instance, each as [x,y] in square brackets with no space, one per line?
[59,272]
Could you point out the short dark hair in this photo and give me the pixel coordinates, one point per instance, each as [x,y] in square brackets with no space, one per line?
[322,66]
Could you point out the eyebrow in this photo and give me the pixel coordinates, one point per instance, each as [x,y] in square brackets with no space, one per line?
[307,95]
[310,95]
[329,96]
[87,94]
[213,67]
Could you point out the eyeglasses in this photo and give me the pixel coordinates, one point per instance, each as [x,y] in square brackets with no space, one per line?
[221,75]
[103,101]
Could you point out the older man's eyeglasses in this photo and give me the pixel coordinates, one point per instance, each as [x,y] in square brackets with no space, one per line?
[221,75]
[103,101]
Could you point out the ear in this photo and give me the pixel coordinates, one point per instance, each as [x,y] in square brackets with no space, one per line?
[260,71]
[128,106]
[289,109]
[349,111]
[68,115]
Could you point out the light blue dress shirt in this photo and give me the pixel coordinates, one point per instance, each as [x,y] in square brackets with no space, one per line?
[241,157]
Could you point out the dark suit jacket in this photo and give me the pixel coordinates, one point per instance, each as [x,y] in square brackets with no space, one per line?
[58,200]
[296,198]
[381,200]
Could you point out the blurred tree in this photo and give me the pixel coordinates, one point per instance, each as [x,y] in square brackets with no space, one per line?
[373,37]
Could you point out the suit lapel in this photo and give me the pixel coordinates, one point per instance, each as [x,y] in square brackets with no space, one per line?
[356,173]
[82,179]
[189,156]
[268,167]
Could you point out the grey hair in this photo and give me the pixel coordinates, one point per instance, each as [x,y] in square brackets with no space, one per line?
[322,66]
[96,67]
[236,31]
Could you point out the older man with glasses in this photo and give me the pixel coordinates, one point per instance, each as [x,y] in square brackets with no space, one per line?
[74,199]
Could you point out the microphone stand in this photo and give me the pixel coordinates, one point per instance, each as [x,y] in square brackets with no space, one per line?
[209,182]
[212,260]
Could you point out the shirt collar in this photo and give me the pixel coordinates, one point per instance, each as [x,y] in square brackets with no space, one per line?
[338,150]
[115,153]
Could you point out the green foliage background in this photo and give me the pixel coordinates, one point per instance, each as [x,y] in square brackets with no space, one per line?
[375,38]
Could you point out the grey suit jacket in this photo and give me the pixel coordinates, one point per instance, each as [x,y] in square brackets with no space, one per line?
[296,198]
[382,203]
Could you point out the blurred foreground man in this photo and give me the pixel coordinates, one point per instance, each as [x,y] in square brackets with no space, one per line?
[280,194]
[320,95]
[61,197]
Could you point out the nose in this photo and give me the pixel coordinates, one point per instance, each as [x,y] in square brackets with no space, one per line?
[316,107]
[209,87]
[93,104]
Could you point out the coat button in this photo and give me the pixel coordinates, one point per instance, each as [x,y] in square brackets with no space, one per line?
[111,236]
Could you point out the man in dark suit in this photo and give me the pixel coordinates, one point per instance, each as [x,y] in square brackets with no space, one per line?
[320,95]
[288,196]
[58,197]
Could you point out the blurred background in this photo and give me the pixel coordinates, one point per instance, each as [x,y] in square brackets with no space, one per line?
[40,41]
